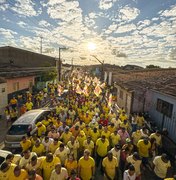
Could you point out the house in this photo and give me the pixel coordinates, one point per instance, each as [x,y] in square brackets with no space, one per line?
[21,70]
[3,94]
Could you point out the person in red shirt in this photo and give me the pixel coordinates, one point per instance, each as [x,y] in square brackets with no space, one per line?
[73,176]
[103,121]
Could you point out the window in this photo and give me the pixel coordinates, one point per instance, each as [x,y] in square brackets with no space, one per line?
[3,90]
[164,107]
[121,94]
[16,86]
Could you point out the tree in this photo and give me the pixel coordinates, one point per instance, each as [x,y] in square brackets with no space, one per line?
[49,76]
[152,66]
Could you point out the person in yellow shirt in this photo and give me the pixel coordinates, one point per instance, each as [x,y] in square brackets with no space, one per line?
[41,128]
[123,116]
[86,166]
[66,135]
[25,143]
[140,120]
[54,145]
[110,166]
[111,127]
[80,138]
[71,163]
[144,146]
[58,123]
[19,174]
[29,105]
[136,136]
[48,165]
[87,118]
[89,144]
[114,138]
[38,148]
[45,121]
[73,145]
[13,102]
[87,130]
[105,132]
[101,150]
[69,121]
[6,169]
[94,134]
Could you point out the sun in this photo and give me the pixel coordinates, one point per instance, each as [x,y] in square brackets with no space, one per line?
[91,46]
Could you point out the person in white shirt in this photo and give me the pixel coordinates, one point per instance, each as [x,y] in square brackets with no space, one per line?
[62,152]
[46,142]
[116,153]
[59,173]
[129,174]
[161,166]
[135,160]
[27,155]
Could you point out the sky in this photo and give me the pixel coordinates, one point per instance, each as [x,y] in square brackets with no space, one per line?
[137,32]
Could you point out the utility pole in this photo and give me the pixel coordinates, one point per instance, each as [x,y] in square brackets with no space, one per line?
[41,41]
[102,67]
[60,64]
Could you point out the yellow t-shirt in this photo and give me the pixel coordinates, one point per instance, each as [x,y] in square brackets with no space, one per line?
[45,122]
[38,150]
[87,131]
[70,165]
[102,148]
[106,134]
[6,175]
[115,139]
[111,129]
[161,167]
[123,117]
[94,136]
[29,105]
[86,167]
[53,147]
[25,145]
[41,130]
[23,175]
[143,148]
[89,146]
[81,140]
[48,167]
[66,137]
[136,136]
[110,166]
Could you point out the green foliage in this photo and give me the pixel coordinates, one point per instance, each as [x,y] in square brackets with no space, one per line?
[49,76]
[152,66]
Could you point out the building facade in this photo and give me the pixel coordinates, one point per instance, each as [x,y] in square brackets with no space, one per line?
[3,95]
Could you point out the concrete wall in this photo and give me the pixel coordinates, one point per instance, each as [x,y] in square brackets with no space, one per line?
[17,84]
[124,98]
[169,123]
[3,97]
[23,58]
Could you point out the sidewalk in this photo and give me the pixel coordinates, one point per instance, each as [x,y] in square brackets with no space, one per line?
[3,130]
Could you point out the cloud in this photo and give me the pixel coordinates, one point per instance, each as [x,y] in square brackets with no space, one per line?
[25,8]
[106,4]
[22,24]
[44,23]
[169,13]
[125,28]
[128,14]
[7,33]
[172,54]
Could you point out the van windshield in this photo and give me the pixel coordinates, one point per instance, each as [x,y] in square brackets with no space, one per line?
[18,129]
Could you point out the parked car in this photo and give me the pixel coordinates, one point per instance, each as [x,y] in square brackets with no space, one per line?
[24,125]
[3,155]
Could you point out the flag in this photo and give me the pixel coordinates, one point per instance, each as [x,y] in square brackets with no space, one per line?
[78,89]
[85,90]
[110,100]
[97,90]
[59,90]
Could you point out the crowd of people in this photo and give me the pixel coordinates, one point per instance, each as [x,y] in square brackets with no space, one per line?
[84,138]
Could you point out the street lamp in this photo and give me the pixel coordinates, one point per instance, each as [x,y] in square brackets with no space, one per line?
[59,66]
